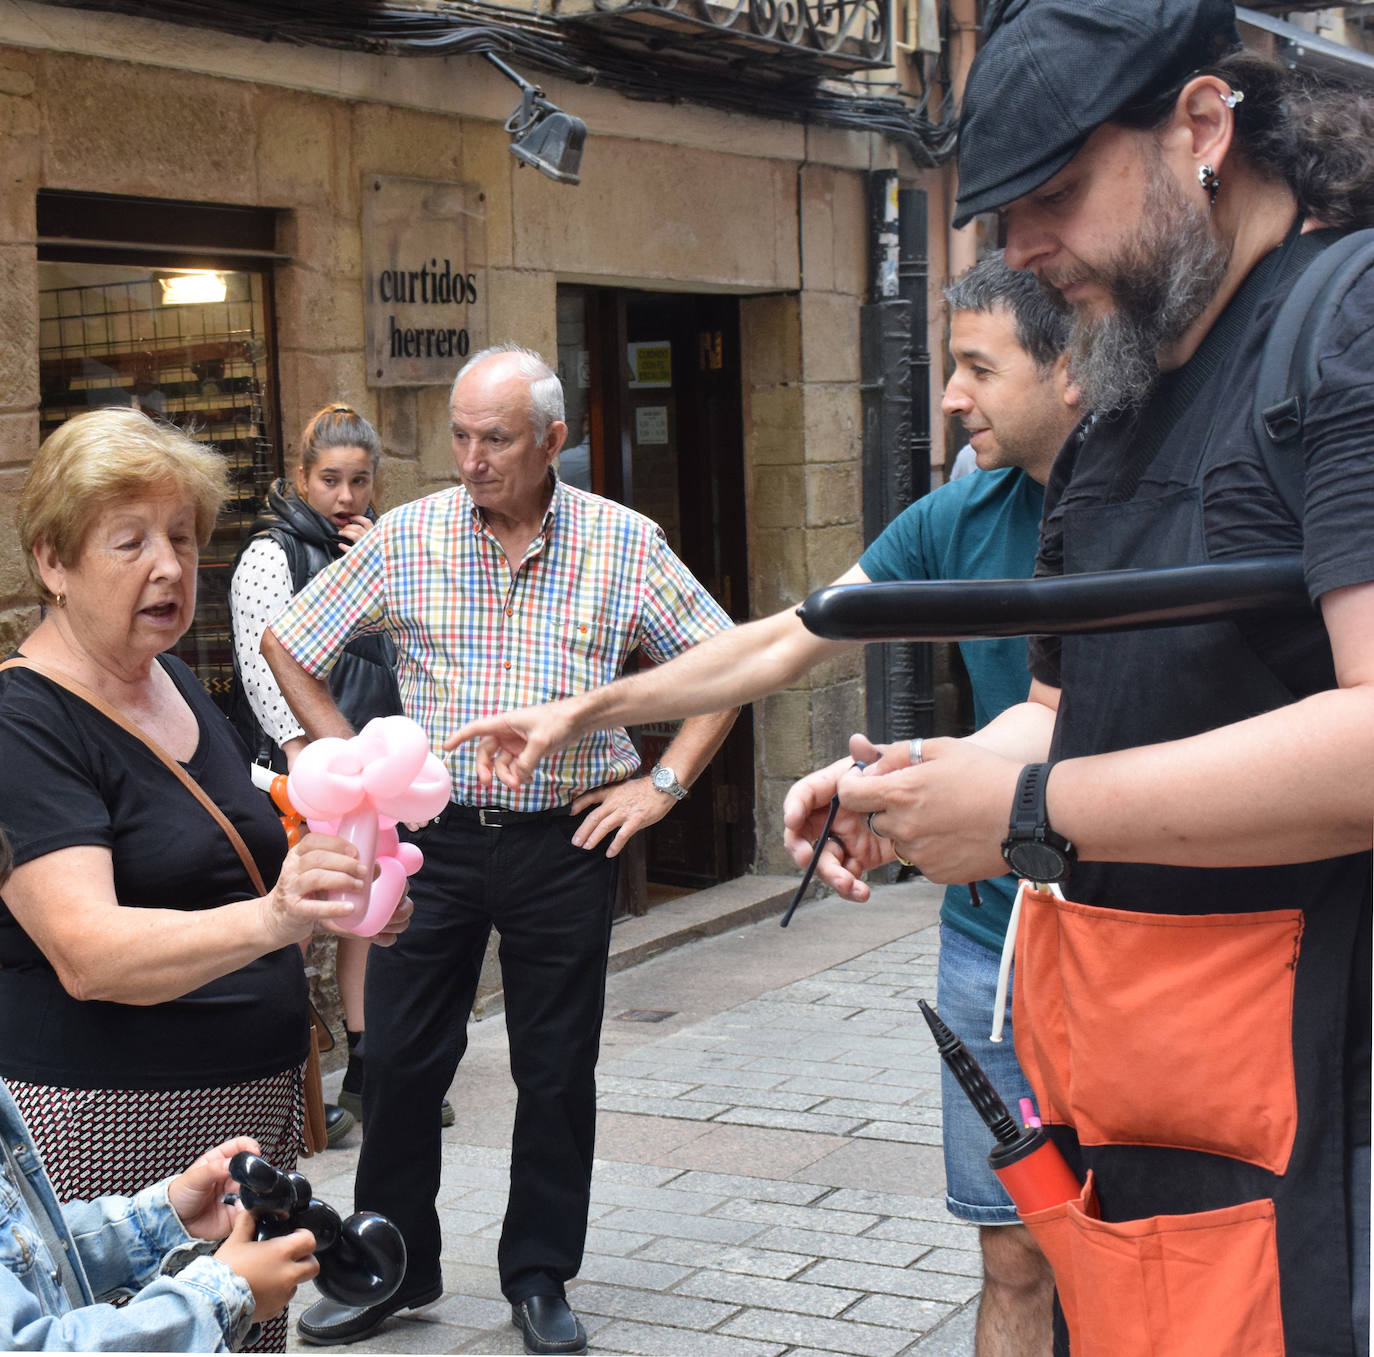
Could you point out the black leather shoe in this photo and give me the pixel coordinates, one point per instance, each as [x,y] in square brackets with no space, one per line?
[327,1323]
[338,1122]
[548,1325]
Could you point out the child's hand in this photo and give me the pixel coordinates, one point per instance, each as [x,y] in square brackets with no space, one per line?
[196,1194]
[274,1268]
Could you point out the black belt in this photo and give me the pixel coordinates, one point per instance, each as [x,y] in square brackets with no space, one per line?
[497,817]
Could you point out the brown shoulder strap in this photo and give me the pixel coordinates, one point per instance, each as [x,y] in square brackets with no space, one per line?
[95,700]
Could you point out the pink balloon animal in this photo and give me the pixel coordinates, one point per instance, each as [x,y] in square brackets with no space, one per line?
[358,789]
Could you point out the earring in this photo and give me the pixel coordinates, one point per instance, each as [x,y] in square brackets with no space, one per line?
[1208,178]
[59,600]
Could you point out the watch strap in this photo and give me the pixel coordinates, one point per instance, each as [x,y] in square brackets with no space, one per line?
[1028,812]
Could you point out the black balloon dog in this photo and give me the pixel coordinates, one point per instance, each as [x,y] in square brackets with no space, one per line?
[362,1259]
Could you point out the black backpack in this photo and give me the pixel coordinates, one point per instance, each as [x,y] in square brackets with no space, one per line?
[1288,366]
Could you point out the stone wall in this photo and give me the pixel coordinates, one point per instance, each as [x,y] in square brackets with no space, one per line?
[671,197]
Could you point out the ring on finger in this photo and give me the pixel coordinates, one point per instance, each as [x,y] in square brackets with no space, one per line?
[872,829]
[913,752]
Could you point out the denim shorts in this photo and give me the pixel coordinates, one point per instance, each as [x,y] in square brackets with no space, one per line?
[965,993]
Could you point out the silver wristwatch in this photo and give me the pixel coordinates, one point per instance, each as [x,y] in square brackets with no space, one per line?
[665,780]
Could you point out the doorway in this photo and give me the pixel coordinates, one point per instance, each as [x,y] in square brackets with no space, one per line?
[652,383]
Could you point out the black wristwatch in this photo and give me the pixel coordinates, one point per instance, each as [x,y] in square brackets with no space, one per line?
[1032,849]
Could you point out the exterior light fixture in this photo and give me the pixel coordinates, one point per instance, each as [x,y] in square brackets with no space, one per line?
[196,285]
[543,135]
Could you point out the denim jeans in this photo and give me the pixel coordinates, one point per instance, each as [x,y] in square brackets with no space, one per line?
[966,992]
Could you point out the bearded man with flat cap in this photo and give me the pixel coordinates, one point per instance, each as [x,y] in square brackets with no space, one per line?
[1194,1017]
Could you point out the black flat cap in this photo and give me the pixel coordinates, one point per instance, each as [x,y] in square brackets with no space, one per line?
[1055,70]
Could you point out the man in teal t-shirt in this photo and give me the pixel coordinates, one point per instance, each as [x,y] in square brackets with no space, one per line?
[1010,390]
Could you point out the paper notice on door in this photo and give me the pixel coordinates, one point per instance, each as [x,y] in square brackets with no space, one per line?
[651,424]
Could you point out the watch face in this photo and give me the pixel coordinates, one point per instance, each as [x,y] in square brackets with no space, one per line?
[1037,861]
[662,779]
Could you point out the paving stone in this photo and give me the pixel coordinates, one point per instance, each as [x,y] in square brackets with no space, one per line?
[648,1223]
[967,1262]
[766,1152]
[470,1312]
[827,1335]
[659,1107]
[935,1233]
[894,1281]
[789,1121]
[616,1243]
[914,1315]
[768,1293]
[478,1250]
[905,1113]
[908,1133]
[643,1140]
[836,1086]
[952,1338]
[645,1175]
[820,1069]
[729,1258]
[803,1217]
[638,1271]
[824,1244]
[890,1203]
[658,1340]
[718,1077]
[756,1189]
[682,1312]
[682,1200]
[755,1097]
[610,1085]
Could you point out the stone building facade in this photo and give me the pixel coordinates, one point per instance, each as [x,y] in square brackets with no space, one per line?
[673,200]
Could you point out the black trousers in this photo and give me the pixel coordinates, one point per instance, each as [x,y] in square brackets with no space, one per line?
[551,904]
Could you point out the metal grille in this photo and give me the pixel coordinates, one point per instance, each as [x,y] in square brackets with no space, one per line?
[107,338]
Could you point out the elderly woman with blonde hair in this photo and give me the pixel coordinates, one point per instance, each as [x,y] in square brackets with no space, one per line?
[152,995]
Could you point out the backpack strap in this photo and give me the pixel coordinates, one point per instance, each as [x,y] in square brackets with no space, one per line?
[1288,366]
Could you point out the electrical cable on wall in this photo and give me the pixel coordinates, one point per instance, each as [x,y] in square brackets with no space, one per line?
[575,52]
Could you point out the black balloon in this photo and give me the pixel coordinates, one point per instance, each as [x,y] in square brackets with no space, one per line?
[362,1259]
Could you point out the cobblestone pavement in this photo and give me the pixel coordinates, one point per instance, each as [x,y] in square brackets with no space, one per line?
[768,1176]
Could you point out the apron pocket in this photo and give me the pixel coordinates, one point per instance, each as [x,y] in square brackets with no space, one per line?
[1161,1029]
[1169,1286]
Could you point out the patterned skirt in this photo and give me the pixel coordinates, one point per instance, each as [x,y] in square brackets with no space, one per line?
[99,1141]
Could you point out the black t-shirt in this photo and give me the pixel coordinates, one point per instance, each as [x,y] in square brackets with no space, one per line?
[1243,516]
[72,777]
[1211,446]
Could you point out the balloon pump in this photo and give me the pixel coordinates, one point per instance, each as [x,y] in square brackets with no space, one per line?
[1025,1159]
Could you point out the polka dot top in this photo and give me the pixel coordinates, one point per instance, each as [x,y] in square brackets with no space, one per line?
[260,589]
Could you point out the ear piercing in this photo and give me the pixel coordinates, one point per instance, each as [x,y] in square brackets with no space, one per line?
[1208,178]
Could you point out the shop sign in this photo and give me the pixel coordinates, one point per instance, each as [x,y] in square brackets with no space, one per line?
[425,278]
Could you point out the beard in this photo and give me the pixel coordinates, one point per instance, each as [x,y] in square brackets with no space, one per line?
[1160,282]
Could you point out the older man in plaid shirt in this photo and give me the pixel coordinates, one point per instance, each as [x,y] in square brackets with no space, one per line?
[509,589]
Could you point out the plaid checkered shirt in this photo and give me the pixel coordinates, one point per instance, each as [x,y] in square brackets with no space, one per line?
[474,637]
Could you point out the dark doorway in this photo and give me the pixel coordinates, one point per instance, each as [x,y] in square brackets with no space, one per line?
[655,380]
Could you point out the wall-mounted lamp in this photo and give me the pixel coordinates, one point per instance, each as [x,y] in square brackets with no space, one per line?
[543,135]
[191,287]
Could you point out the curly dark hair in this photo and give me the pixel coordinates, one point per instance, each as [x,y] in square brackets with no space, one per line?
[1316,135]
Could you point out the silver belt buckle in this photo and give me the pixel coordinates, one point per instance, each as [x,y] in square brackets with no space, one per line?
[494,823]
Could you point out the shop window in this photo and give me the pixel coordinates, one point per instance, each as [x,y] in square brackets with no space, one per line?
[182,333]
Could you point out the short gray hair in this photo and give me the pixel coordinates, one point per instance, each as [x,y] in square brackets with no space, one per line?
[546,391]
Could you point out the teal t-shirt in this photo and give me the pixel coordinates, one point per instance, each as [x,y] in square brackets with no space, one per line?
[983,526]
